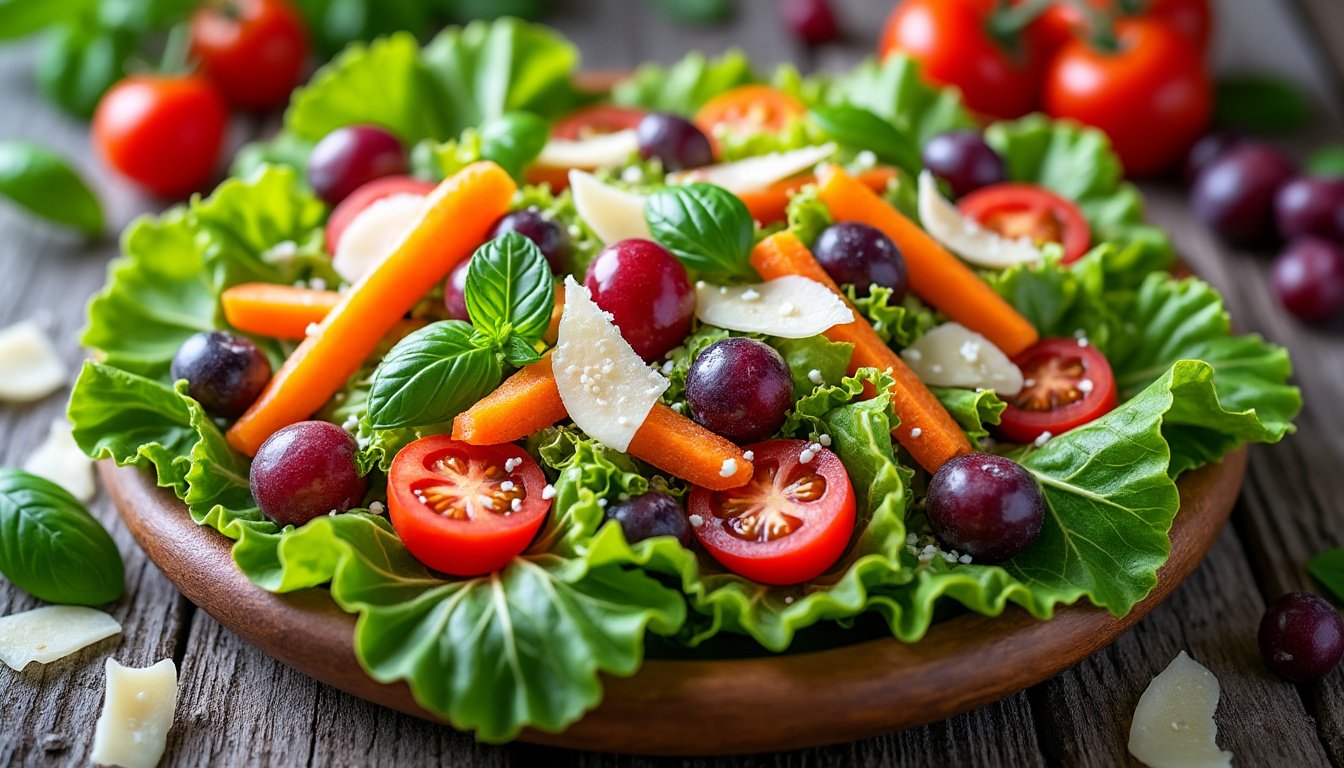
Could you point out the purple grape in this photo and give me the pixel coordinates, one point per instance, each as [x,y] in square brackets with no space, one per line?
[673,140]
[1308,278]
[347,158]
[455,292]
[811,21]
[1206,150]
[225,373]
[985,506]
[306,470]
[550,237]
[740,388]
[651,514]
[964,161]
[648,293]
[859,255]
[1301,637]
[1310,206]
[1234,196]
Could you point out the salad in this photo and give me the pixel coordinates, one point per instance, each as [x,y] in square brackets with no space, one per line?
[537,380]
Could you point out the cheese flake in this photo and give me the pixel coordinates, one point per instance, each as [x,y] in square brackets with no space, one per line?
[138,705]
[51,632]
[60,460]
[375,232]
[605,386]
[30,369]
[1173,723]
[967,237]
[612,214]
[756,173]
[606,150]
[952,355]
[790,307]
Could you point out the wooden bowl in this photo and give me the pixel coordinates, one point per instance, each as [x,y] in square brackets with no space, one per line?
[851,692]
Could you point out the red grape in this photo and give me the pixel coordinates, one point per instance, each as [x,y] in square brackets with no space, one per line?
[740,388]
[647,292]
[1234,196]
[964,161]
[986,506]
[1310,206]
[350,157]
[811,21]
[225,373]
[859,255]
[1301,637]
[306,470]
[550,237]
[651,514]
[1308,278]
[673,140]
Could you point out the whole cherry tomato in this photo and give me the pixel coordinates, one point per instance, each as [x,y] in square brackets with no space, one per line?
[1152,95]
[254,50]
[1063,21]
[162,131]
[1191,19]
[952,41]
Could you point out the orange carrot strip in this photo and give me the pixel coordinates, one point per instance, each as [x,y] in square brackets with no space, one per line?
[279,311]
[939,437]
[553,328]
[526,402]
[458,215]
[936,276]
[771,204]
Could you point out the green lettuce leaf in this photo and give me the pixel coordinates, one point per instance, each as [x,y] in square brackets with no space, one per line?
[830,360]
[685,86]
[898,324]
[893,90]
[974,410]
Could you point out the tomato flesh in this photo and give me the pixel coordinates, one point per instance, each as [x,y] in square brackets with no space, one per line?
[349,208]
[1065,384]
[596,121]
[465,509]
[1026,210]
[788,525]
[748,109]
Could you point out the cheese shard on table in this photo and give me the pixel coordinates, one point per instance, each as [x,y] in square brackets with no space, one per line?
[30,369]
[756,173]
[1173,722]
[953,355]
[965,236]
[790,307]
[138,705]
[605,385]
[51,632]
[60,460]
[375,233]
[613,214]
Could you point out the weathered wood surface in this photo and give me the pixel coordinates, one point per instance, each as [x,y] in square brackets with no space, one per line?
[237,706]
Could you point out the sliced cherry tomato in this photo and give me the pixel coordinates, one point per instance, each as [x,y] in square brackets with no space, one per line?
[748,109]
[1066,384]
[254,50]
[460,508]
[1152,96]
[788,525]
[353,205]
[162,132]
[1026,210]
[596,120]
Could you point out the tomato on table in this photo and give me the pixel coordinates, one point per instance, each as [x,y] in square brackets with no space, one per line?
[1066,384]
[596,120]
[462,509]
[254,50]
[348,209]
[789,524]
[748,109]
[1026,210]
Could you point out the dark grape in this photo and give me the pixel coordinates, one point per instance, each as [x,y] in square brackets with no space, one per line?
[550,237]
[812,21]
[455,292]
[964,161]
[1310,206]
[1206,150]
[986,506]
[647,292]
[306,470]
[673,140]
[1234,196]
[1308,278]
[349,157]
[1301,637]
[859,255]
[651,514]
[740,388]
[225,373]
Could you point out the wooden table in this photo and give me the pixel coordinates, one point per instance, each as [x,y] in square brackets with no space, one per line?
[237,706]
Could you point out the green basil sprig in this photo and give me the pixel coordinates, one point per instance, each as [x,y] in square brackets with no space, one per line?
[43,183]
[51,547]
[706,226]
[440,370]
[860,128]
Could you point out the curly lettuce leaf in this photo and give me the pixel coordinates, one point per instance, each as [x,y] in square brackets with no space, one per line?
[685,86]
[974,410]
[893,90]
[899,324]
[829,359]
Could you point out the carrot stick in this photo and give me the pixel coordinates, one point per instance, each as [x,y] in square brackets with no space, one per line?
[771,204]
[937,276]
[939,438]
[279,311]
[526,402]
[458,214]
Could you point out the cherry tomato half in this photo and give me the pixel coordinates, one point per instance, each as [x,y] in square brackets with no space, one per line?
[162,132]
[748,109]
[254,50]
[459,508]
[1066,385]
[595,121]
[370,193]
[788,525]
[1026,210]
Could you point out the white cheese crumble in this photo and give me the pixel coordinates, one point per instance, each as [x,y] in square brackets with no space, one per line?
[310,329]
[377,508]
[916,432]
[602,503]
[729,468]
[507,485]
[696,521]
[749,455]
[824,439]
[806,456]
[1085,386]
[51,632]
[814,376]
[512,463]
[1042,439]
[30,369]
[60,460]
[517,504]
[548,492]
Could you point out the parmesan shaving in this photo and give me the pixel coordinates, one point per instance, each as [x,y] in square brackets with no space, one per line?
[60,460]
[1173,723]
[952,355]
[30,369]
[132,730]
[375,232]
[756,173]
[790,307]
[605,150]
[965,236]
[612,214]
[51,632]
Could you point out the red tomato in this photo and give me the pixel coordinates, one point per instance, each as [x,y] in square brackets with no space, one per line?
[748,109]
[788,525]
[254,50]
[162,132]
[1191,19]
[1063,21]
[951,41]
[373,191]
[1153,96]
[1054,397]
[596,120]
[1026,210]
[459,509]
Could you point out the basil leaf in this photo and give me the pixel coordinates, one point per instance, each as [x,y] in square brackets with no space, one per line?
[1260,104]
[509,289]
[518,352]
[514,140]
[706,226]
[1328,568]
[51,547]
[40,181]
[861,129]
[431,376]
[20,18]
[79,63]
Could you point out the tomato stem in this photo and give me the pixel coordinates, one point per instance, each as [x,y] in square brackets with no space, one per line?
[1009,19]
[1100,24]
[176,52]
